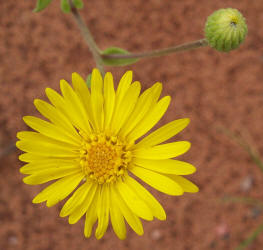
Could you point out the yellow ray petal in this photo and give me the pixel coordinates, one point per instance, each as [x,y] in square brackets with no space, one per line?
[38,139]
[186,185]
[157,181]
[48,129]
[29,157]
[163,151]
[126,106]
[46,175]
[91,217]
[58,101]
[46,149]
[144,104]
[166,166]
[135,203]
[117,219]
[59,190]
[150,119]
[58,118]
[45,161]
[82,209]
[76,199]
[123,86]
[130,217]
[97,99]
[122,89]
[164,133]
[82,91]
[42,164]
[103,211]
[73,103]
[109,97]
[70,111]
[153,204]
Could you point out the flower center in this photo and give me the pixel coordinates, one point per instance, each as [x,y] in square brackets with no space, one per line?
[104,158]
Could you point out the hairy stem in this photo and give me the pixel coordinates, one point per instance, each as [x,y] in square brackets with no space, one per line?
[160,52]
[88,38]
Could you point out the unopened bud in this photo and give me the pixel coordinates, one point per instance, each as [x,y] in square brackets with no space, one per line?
[225,29]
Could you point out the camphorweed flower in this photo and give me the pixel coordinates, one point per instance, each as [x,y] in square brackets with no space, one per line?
[89,146]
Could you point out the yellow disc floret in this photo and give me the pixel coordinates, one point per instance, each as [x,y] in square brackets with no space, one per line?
[104,158]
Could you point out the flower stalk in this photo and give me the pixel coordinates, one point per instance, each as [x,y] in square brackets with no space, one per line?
[160,52]
[99,56]
[88,37]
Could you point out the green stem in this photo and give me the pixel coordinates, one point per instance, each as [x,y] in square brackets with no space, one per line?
[244,200]
[251,238]
[248,148]
[160,52]
[255,157]
[88,37]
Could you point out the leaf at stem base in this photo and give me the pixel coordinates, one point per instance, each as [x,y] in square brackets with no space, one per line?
[117,61]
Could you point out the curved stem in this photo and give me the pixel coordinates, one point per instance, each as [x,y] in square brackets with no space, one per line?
[88,37]
[99,56]
[160,52]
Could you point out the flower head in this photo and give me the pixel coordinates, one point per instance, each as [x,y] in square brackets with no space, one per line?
[89,147]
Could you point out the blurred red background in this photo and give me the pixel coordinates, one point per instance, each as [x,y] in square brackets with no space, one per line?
[213,89]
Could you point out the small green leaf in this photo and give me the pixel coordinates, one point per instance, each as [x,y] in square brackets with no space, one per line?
[78,4]
[117,61]
[88,80]
[41,4]
[65,7]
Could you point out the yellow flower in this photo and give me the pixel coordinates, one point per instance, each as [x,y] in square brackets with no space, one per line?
[90,146]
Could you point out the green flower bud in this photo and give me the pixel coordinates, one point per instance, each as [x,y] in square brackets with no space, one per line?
[225,29]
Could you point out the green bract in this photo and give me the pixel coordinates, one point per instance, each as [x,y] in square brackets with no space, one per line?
[225,29]
[88,80]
